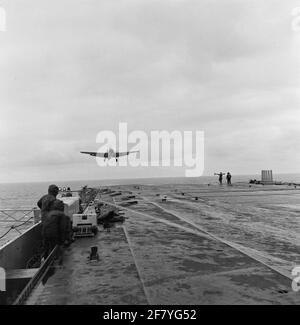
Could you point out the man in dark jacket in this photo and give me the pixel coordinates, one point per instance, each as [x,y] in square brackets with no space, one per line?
[47,200]
[54,227]
[228,178]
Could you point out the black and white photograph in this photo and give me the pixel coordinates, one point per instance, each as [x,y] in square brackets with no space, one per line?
[149,155]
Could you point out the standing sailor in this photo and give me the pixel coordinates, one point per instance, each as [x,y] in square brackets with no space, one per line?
[55,227]
[220,177]
[47,200]
[228,178]
[46,203]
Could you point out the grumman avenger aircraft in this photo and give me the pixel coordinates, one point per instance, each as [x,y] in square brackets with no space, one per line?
[109,154]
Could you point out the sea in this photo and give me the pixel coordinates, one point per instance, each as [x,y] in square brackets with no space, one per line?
[25,195]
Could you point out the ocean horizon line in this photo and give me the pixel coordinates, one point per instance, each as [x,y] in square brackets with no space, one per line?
[138,178]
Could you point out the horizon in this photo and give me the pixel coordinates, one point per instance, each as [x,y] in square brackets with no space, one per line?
[141,178]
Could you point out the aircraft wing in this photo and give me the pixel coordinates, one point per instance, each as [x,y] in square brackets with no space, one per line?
[120,154]
[94,154]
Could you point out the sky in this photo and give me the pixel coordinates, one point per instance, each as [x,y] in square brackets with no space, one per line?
[72,68]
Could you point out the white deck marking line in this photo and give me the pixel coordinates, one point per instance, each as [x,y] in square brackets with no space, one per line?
[168,223]
[254,254]
[137,266]
[135,262]
[257,256]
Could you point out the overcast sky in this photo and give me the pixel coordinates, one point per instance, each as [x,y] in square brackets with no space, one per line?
[71,68]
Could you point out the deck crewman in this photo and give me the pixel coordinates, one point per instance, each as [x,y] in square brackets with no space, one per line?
[45,203]
[220,177]
[56,227]
[228,178]
[47,200]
